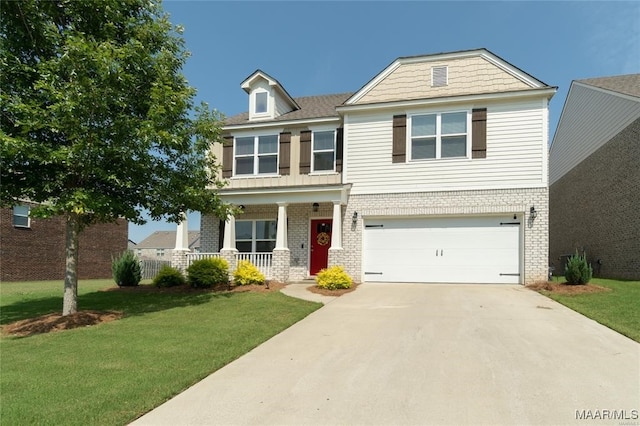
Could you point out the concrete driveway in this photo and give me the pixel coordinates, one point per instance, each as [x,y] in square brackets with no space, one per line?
[417,354]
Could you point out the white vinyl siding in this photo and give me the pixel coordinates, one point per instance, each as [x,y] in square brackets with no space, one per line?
[593,117]
[516,154]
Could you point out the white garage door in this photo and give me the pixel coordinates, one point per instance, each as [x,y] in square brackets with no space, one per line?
[442,250]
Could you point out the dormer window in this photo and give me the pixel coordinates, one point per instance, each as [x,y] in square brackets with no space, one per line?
[262,100]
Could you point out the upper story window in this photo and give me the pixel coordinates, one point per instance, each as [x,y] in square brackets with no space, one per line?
[441,135]
[261,103]
[21,216]
[255,236]
[324,151]
[256,155]
[160,252]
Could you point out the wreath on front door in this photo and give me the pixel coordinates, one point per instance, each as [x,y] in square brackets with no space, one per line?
[323,238]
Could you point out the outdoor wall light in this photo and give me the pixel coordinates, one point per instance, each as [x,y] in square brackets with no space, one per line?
[241,207]
[533,213]
[354,218]
[315,207]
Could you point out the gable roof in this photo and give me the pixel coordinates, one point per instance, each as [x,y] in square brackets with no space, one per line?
[525,78]
[247,82]
[628,84]
[167,240]
[310,107]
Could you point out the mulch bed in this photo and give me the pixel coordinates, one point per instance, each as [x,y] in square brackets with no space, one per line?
[325,292]
[564,288]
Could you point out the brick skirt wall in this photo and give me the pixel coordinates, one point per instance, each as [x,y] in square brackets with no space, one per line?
[38,252]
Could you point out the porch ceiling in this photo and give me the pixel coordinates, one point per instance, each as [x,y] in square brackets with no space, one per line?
[291,195]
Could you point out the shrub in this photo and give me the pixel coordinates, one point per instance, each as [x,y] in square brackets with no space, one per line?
[169,277]
[126,269]
[205,273]
[333,278]
[578,271]
[247,273]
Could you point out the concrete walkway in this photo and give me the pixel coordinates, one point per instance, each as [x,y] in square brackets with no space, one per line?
[411,354]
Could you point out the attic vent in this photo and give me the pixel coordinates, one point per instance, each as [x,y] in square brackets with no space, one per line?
[439,76]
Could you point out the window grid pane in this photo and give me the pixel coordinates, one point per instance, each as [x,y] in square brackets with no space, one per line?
[454,146]
[423,148]
[268,144]
[323,161]
[454,123]
[261,102]
[423,125]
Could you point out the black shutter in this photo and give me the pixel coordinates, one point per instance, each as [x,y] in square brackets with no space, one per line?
[399,139]
[285,153]
[305,152]
[227,157]
[339,149]
[479,133]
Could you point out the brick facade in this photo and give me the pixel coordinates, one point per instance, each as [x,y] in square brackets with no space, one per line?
[38,252]
[594,208]
[484,202]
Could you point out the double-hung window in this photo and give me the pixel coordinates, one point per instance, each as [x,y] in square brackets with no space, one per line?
[324,151]
[256,155]
[440,135]
[262,99]
[255,236]
[21,216]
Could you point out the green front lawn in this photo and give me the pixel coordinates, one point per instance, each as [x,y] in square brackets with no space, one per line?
[113,372]
[618,309]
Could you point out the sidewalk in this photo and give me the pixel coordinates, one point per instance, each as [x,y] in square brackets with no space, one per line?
[300,290]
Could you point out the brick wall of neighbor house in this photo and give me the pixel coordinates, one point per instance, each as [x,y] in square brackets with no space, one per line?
[482,202]
[594,207]
[38,252]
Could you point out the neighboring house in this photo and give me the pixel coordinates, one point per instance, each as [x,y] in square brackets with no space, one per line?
[434,171]
[595,177]
[34,249]
[160,245]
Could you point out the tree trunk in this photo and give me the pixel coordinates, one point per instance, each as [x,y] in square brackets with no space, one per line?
[70,301]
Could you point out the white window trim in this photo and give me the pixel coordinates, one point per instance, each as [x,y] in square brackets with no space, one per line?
[255,154]
[313,151]
[28,216]
[253,115]
[438,135]
[255,240]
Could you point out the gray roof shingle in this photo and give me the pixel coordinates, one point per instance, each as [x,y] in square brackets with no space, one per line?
[310,107]
[626,84]
[167,240]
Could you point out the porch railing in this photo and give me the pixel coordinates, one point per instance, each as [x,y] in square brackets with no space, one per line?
[151,267]
[261,260]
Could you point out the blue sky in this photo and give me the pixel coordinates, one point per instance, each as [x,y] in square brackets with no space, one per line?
[316,48]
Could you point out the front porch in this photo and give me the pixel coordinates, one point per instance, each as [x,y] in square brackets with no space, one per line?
[288,233]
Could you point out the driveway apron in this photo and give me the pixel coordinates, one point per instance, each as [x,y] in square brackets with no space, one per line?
[417,354]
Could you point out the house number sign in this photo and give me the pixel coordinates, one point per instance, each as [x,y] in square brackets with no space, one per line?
[323,238]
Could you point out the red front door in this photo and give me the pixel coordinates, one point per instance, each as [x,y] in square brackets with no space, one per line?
[320,243]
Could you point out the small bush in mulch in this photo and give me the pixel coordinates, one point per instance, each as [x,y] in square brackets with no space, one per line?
[169,277]
[206,273]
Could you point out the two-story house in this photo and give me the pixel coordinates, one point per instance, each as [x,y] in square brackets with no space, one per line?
[434,171]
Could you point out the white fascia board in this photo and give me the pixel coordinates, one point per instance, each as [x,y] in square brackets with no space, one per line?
[266,125]
[547,92]
[291,195]
[510,69]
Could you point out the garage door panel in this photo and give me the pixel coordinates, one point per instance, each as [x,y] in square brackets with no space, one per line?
[473,249]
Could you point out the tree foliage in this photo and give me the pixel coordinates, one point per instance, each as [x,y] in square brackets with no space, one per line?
[97,120]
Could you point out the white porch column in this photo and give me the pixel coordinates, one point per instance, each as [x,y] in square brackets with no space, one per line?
[182,234]
[281,233]
[229,241]
[336,232]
